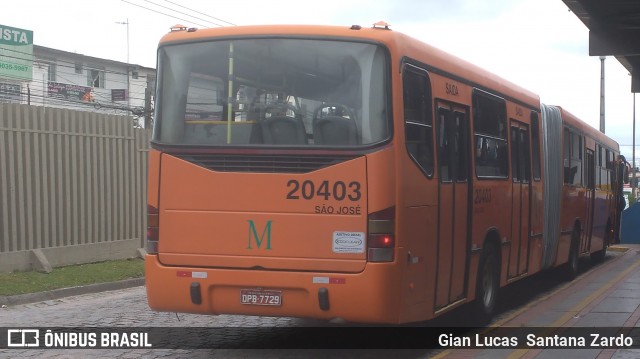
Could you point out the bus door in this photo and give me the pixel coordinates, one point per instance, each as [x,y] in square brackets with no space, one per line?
[453,136]
[590,199]
[521,198]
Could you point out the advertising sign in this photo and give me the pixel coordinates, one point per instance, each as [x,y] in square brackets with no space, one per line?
[69,92]
[9,92]
[119,95]
[16,53]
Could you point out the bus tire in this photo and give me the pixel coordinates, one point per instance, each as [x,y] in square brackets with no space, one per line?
[571,268]
[488,284]
[598,257]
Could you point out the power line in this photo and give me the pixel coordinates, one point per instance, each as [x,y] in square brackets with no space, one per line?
[198,12]
[57,102]
[138,87]
[58,62]
[40,95]
[182,13]
[38,88]
[44,83]
[104,100]
[61,75]
[161,13]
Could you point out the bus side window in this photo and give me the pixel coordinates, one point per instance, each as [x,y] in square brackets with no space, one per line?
[576,158]
[444,133]
[566,158]
[417,117]
[535,145]
[490,133]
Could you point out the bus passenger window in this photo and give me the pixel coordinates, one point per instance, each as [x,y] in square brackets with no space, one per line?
[490,133]
[515,160]
[444,159]
[461,146]
[523,153]
[572,158]
[566,158]
[576,159]
[535,146]
[417,117]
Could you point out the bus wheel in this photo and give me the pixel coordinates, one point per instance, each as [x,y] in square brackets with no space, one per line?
[488,284]
[598,257]
[571,268]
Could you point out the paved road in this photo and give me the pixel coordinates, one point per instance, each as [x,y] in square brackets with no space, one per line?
[128,308]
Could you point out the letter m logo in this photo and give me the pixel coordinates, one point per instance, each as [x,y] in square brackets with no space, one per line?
[253,235]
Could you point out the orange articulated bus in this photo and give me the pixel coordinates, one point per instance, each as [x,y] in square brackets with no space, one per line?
[357,173]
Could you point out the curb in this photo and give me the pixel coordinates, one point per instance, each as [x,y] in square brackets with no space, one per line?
[618,248]
[68,292]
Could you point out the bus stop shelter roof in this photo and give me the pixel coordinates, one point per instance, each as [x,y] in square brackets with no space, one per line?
[614,30]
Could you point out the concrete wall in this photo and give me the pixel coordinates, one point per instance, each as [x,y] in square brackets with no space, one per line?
[72,187]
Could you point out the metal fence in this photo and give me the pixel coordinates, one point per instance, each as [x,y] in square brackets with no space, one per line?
[69,180]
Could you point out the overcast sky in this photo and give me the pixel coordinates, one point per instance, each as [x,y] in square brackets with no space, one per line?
[537,44]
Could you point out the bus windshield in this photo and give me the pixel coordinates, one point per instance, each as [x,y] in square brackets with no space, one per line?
[270,92]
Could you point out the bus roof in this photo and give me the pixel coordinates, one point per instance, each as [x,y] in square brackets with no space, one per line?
[400,45]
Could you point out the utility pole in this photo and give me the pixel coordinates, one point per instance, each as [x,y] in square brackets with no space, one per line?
[147,104]
[128,86]
[126,23]
[602,58]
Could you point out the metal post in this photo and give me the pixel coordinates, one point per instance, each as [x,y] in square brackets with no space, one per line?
[634,189]
[127,41]
[602,58]
[147,106]
[126,23]
[128,86]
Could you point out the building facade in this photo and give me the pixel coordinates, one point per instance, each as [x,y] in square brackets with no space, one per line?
[70,80]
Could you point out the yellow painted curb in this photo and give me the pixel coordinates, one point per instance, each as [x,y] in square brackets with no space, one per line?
[618,249]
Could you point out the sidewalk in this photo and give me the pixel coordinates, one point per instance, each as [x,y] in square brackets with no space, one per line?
[67,292]
[606,296]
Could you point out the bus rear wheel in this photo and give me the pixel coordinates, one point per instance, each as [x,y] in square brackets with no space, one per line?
[571,268]
[487,285]
[598,257]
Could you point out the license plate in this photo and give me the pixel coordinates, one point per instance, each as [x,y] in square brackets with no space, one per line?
[261,297]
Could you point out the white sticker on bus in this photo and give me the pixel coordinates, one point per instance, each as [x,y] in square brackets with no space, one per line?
[348,242]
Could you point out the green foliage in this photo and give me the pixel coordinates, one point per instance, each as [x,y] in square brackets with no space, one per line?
[631,199]
[70,276]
